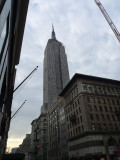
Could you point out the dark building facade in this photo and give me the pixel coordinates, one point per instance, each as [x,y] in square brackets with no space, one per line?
[57,134]
[56,73]
[25,146]
[39,137]
[92,109]
[12,22]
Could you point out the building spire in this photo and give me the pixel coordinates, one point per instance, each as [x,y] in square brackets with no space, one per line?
[53,33]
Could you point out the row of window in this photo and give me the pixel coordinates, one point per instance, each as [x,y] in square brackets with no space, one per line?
[73,106]
[103,101]
[72,94]
[77,121]
[105,127]
[53,119]
[76,131]
[75,112]
[103,108]
[53,113]
[103,117]
[97,89]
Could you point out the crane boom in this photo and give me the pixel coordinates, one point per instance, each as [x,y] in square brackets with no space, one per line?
[107,17]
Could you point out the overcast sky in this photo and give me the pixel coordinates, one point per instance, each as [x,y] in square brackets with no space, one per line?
[90,45]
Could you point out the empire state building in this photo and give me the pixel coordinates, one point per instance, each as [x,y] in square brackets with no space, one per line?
[56,73]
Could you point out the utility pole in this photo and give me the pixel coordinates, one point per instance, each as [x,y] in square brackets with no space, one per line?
[107,17]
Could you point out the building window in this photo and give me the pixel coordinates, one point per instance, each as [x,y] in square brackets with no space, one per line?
[91,117]
[78,101]
[116,127]
[99,126]
[113,102]
[103,101]
[90,88]
[111,109]
[84,87]
[108,100]
[76,111]
[118,102]
[115,109]
[95,89]
[76,131]
[100,107]
[82,128]
[68,110]
[93,100]
[79,110]
[67,119]
[89,108]
[113,91]
[105,126]
[81,119]
[88,99]
[104,90]
[113,117]
[108,117]
[73,105]
[95,108]
[97,117]
[93,127]
[99,89]
[98,100]
[106,110]
[103,118]
[73,132]
[110,126]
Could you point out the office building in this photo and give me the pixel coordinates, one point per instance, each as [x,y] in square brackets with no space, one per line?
[56,74]
[92,109]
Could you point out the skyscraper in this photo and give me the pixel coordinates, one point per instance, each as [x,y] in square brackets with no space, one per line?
[56,74]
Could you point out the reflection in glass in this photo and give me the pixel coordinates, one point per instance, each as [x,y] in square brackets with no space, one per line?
[2,36]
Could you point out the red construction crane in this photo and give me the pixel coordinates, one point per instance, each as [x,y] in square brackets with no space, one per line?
[113,27]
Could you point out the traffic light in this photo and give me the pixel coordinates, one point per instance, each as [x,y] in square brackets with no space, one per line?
[38,147]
